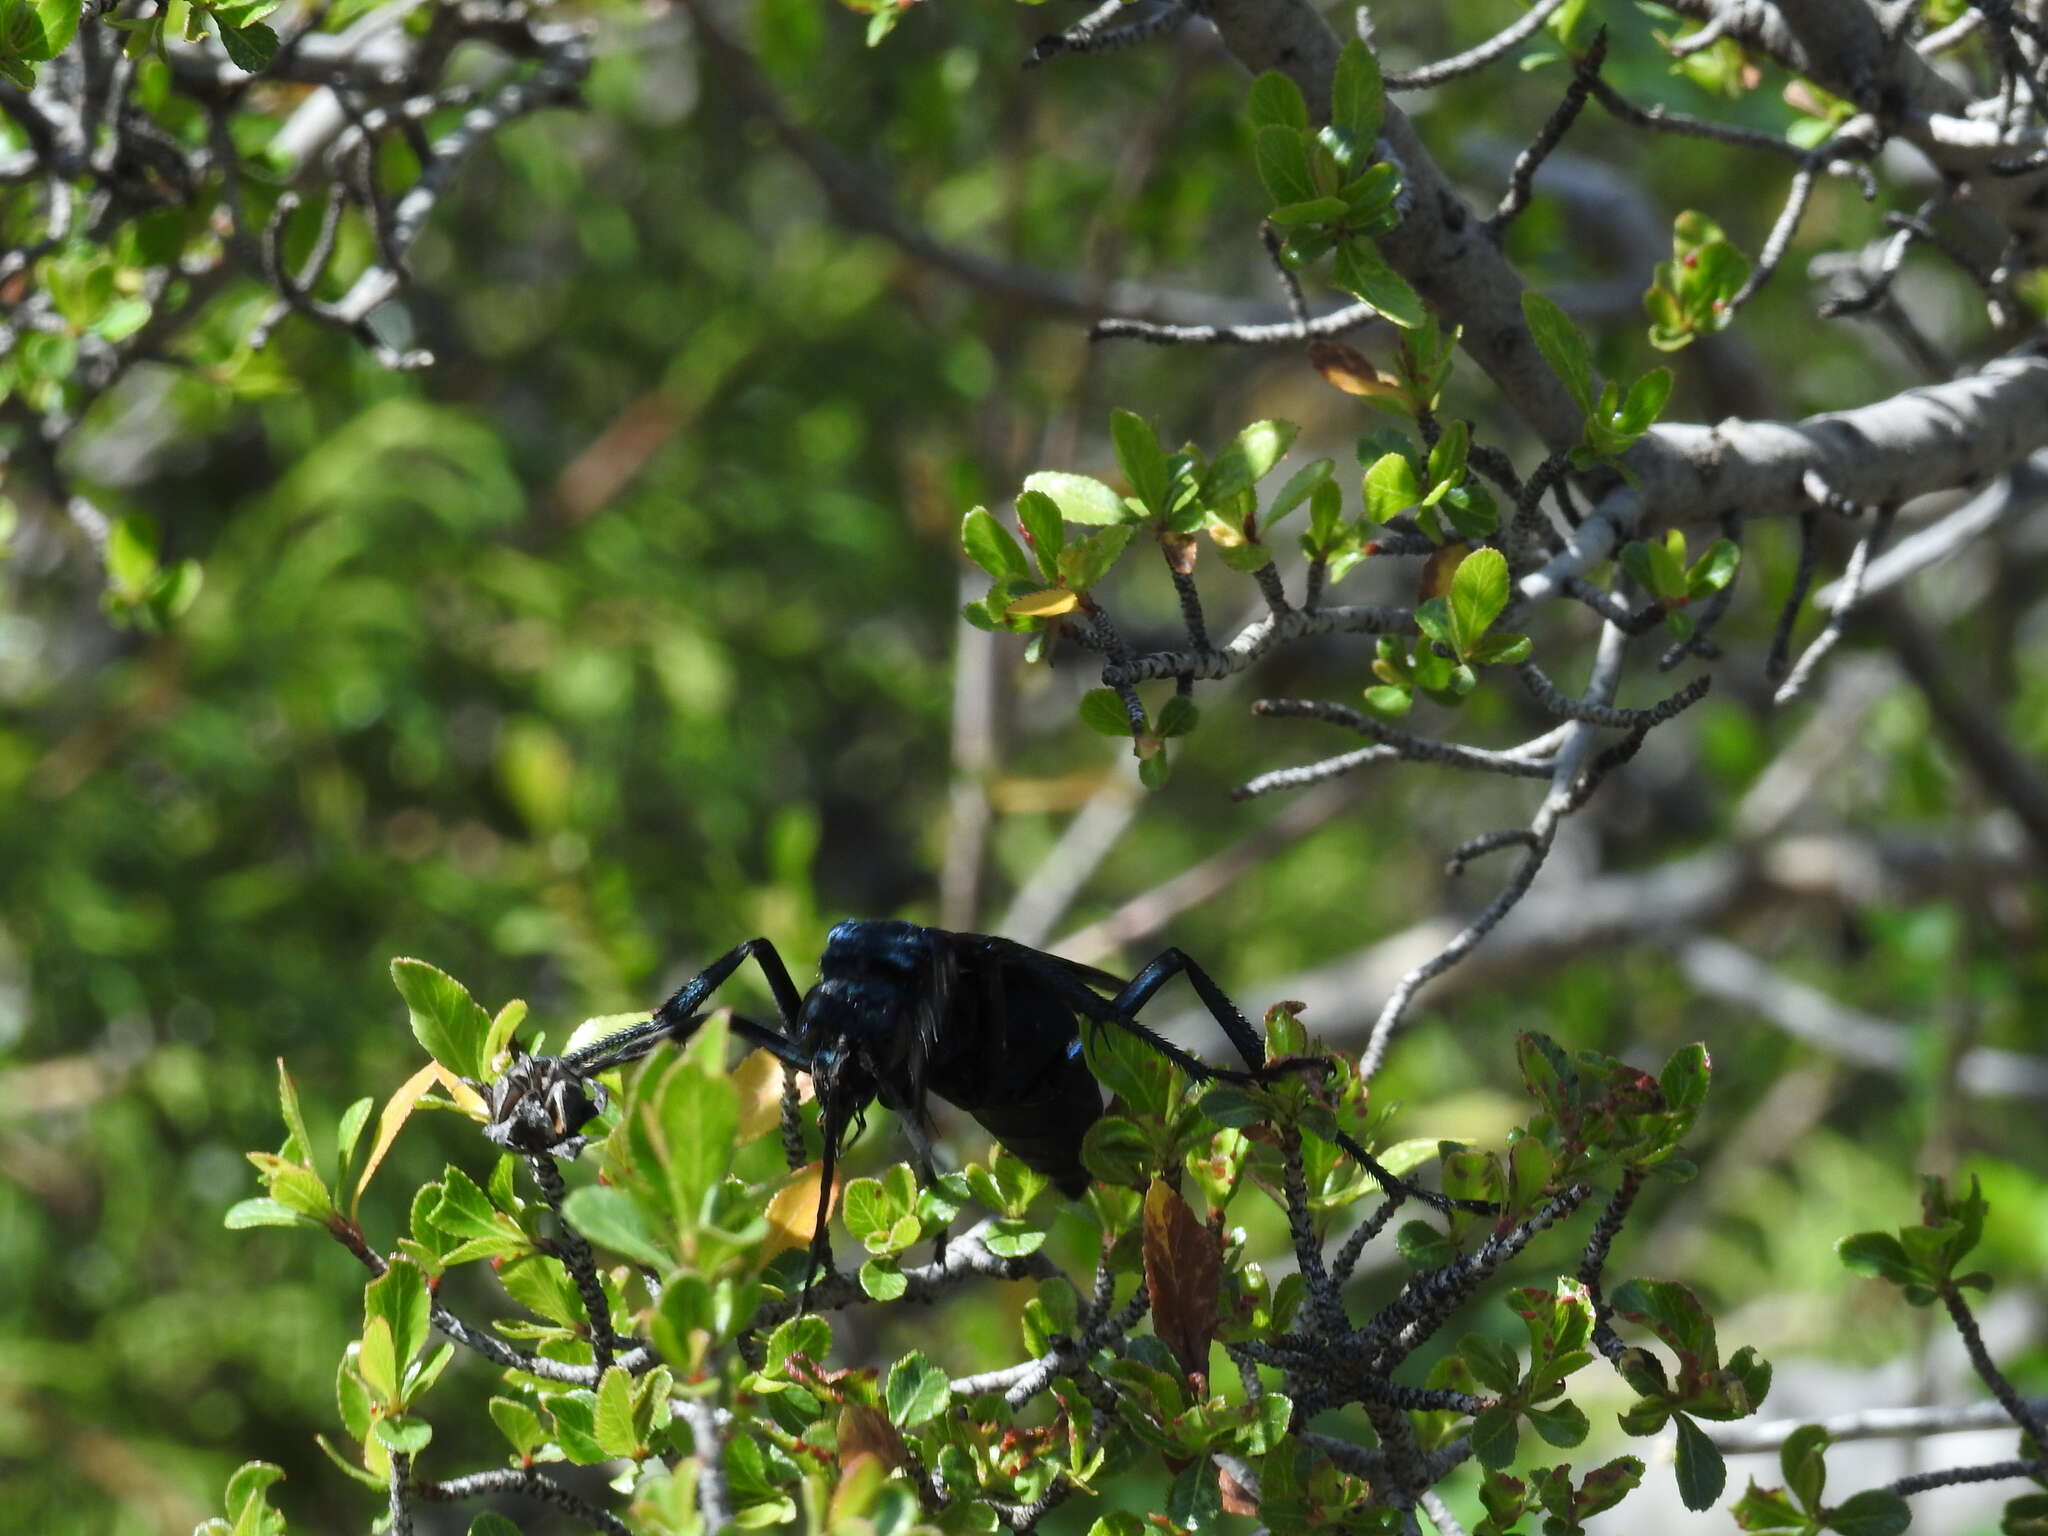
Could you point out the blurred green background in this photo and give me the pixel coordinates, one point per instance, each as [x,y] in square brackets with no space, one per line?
[628,631]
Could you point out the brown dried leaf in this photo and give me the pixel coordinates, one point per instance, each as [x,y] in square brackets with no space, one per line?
[1349,369]
[1181,550]
[1183,1276]
[1237,1499]
[1438,570]
[865,1431]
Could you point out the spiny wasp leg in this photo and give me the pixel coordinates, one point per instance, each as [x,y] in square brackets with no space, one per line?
[1120,1012]
[678,1018]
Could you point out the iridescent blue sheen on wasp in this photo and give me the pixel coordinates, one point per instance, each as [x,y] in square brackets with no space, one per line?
[899,1013]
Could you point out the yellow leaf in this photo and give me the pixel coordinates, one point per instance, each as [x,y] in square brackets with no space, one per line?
[391,1122]
[400,1107]
[1043,604]
[466,1098]
[793,1213]
[759,1080]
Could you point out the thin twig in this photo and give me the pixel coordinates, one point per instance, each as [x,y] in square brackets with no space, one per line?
[1559,123]
[1499,46]
[1845,605]
[531,1484]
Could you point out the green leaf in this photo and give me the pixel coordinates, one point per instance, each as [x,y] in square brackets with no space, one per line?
[1423,1246]
[1873,1512]
[121,319]
[1370,195]
[1880,1256]
[249,48]
[263,1212]
[1491,1362]
[1646,398]
[1702,1474]
[2026,1515]
[1683,1082]
[575,1416]
[1300,488]
[1803,1460]
[1012,1237]
[1045,525]
[406,1435]
[1087,560]
[1102,711]
[1768,1510]
[1317,210]
[1391,487]
[466,1211]
[1560,1424]
[399,1297]
[809,1337]
[1116,1151]
[1470,510]
[883,1279]
[1141,458]
[1433,618]
[1357,97]
[1500,650]
[1080,498]
[613,1220]
[377,1360]
[348,1134]
[491,1523]
[612,1417]
[1277,100]
[294,1185]
[1178,717]
[1562,346]
[1389,701]
[989,545]
[1714,569]
[916,1391]
[684,1127]
[1479,591]
[1494,1435]
[130,553]
[445,1018]
[1671,1311]
[519,1424]
[1447,458]
[1247,459]
[1361,269]
[36,30]
[1282,158]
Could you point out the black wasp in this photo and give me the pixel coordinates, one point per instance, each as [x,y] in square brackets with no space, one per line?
[900,1012]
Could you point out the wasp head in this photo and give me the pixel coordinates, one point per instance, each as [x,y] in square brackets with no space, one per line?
[540,1104]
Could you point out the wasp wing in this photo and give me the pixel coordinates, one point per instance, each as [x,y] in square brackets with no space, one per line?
[1010,952]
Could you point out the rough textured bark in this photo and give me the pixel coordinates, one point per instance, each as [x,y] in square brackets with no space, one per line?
[1933,438]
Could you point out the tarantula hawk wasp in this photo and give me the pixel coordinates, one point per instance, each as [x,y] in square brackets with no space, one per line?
[900,1012]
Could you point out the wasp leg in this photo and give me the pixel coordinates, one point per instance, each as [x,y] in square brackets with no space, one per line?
[1091,1005]
[1174,962]
[678,1018]
[1250,1047]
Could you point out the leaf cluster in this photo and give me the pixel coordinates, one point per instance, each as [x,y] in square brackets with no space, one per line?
[1329,192]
